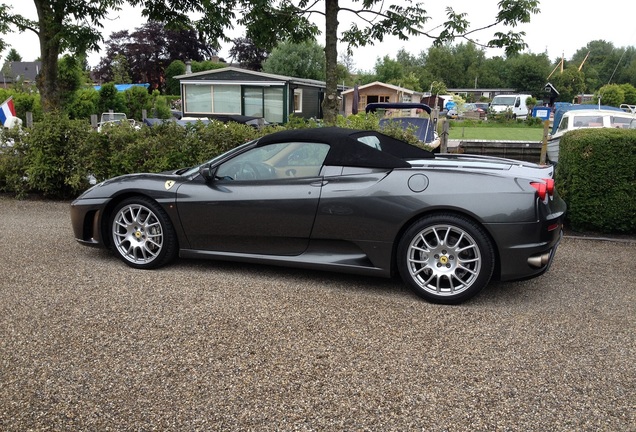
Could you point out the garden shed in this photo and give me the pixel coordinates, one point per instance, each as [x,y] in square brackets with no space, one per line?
[377,92]
[232,90]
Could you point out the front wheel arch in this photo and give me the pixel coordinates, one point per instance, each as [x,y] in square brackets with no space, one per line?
[157,240]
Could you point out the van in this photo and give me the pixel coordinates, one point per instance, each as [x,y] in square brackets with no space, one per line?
[516,103]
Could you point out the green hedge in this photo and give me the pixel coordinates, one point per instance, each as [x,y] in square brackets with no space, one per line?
[57,156]
[596,176]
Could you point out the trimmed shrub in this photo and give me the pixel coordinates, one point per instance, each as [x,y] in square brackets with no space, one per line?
[83,103]
[12,162]
[55,157]
[110,99]
[136,100]
[596,176]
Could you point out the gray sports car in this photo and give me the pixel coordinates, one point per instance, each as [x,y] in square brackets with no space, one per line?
[341,200]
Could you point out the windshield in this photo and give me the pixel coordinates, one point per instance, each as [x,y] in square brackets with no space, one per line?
[235,150]
[504,100]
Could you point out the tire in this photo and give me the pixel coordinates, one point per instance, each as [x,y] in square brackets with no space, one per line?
[445,258]
[142,234]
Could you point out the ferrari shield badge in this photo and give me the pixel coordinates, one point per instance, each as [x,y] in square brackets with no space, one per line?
[169,184]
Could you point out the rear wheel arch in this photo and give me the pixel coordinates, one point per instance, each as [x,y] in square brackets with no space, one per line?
[455,212]
[476,236]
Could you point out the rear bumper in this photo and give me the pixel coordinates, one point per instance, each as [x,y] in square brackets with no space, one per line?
[524,260]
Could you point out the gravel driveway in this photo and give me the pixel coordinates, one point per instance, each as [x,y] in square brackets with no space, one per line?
[87,343]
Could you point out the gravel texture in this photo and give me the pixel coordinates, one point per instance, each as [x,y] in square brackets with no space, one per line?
[87,343]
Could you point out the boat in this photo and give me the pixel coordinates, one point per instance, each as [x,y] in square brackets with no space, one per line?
[584,117]
[423,125]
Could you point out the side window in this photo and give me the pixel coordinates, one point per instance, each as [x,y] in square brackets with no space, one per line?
[371,141]
[301,159]
[298,100]
[275,161]
[563,125]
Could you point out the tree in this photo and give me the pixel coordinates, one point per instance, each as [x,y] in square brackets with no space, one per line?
[70,77]
[630,93]
[247,54]
[110,99]
[388,70]
[300,60]
[347,61]
[13,55]
[441,65]
[119,69]
[75,26]
[569,84]
[116,46]
[175,68]
[144,54]
[467,57]
[528,72]
[492,73]
[206,65]
[598,58]
[611,94]
[405,20]
[58,30]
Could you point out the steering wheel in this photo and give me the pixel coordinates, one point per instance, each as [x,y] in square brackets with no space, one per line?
[246,171]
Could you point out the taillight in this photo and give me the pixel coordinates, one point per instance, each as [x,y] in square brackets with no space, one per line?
[544,189]
[549,183]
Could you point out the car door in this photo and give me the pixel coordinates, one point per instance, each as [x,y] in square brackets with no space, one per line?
[263,201]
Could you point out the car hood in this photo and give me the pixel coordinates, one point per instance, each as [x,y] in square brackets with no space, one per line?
[486,164]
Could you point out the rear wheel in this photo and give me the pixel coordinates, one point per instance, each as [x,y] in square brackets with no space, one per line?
[445,258]
[142,234]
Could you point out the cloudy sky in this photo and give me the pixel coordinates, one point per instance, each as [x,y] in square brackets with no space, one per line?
[561,28]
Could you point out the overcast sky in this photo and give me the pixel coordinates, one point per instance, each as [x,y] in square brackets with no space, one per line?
[561,28]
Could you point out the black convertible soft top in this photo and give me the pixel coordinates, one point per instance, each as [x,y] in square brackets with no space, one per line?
[351,147]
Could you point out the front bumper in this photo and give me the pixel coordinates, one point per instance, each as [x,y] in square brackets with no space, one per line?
[86,215]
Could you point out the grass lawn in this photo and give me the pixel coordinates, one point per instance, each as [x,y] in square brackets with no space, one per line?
[471,131]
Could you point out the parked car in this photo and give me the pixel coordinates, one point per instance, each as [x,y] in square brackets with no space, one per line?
[256,122]
[112,118]
[342,200]
[453,113]
[477,110]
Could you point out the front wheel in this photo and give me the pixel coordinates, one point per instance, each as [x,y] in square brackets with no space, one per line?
[142,234]
[445,258]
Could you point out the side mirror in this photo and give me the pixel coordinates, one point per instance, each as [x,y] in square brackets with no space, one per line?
[207,172]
